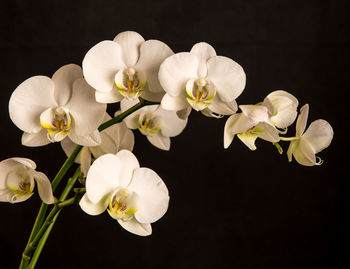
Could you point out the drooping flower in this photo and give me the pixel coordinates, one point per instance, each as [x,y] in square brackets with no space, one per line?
[252,123]
[113,139]
[126,67]
[282,107]
[49,109]
[307,144]
[134,196]
[157,124]
[17,181]
[201,80]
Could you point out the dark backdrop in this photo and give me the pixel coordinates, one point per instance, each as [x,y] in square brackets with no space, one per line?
[229,208]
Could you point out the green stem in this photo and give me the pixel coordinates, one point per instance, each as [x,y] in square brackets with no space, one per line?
[45,234]
[126,113]
[38,236]
[43,208]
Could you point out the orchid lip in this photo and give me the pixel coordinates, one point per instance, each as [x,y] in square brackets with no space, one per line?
[120,206]
[57,122]
[130,82]
[199,92]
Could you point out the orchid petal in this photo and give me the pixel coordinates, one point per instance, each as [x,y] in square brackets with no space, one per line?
[29,100]
[223,108]
[248,139]
[128,163]
[94,208]
[319,135]
[36,139]
[204,52]
[86,112]
[101,63]
[255,113]
[176,70]
[153,195]
[112,96]
[304,153]
[171,124]
[103,177]
[89,140]
[184,113]
[174,103]
[269,133]
[152,96]
[85,160]
[291,149]
[228,77]
[130,43]
[44,187]
[64,79]
[152,54]
[235,124]
[302,119]
[135,227]
[159,141]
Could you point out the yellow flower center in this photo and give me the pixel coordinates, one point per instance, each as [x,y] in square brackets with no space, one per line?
[199,94]
[121,206]
[130,83]
[59,127]
[148,124]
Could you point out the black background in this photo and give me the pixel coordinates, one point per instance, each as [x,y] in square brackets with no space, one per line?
[229,208]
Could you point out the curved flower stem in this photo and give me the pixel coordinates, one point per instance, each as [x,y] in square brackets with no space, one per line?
[41,231]
[126,113]
[43,208]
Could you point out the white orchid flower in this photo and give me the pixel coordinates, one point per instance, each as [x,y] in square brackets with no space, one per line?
[306,144]
[157,124]
[126,67]
[134,196]
[17,181]
[49,109]
[252,123]
[201,80]
[282,108]
[113,139]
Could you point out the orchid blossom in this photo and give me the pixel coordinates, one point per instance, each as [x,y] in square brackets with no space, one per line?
[252,123]
[157,124]
[126,67]
[134,196]
[49,109]
[17,181]
[306,145]
[201,80]
[113,139]
[282,107]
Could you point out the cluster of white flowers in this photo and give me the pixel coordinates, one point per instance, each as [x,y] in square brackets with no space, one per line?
[70,107]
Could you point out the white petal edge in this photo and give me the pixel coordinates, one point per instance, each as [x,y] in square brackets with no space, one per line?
[153,193]
[64,79]
[44,187]
[29,100]
[135,227]
[129,163]
[228,77]
[35,139]
[101,63]
[94,208]
[86,112]
[152,54]
[103,177]
[159,141]
[130,43]
[176,70]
